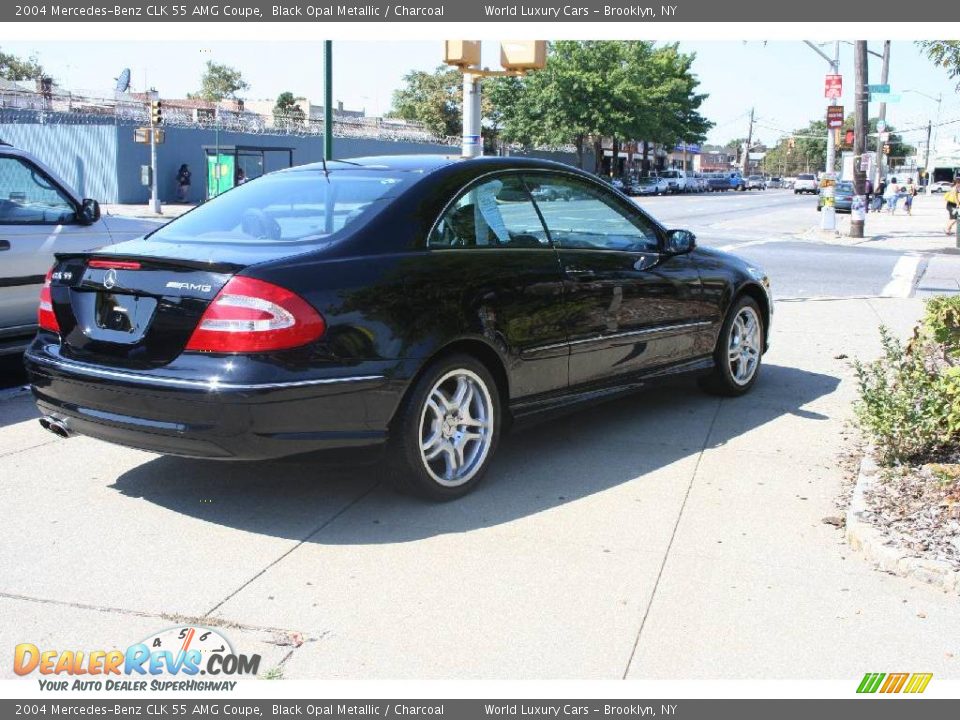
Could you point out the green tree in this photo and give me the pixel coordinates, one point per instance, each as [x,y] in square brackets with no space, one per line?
[287,111]
[945,53]
[805,150]
[434,99]
[17,68]
[219,82]
[602,89]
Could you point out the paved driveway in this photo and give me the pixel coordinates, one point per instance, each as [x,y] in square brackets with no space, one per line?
[667,535]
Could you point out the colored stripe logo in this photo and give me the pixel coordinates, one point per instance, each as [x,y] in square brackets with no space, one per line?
[894,683]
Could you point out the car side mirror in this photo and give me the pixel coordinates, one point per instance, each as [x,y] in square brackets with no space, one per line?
[680,241]
[89,211]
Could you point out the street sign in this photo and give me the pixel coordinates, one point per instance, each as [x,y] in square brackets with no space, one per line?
[866,163]
[884,136]
[881,126]
[833,86]
[835,116]
[884,98]
[878,89]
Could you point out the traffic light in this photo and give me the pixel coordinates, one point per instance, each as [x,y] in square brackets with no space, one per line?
[156,113]
[886,148]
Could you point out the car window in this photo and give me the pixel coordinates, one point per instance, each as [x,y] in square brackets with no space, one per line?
[292,206]
[496,212]
[27,197]
[581,215]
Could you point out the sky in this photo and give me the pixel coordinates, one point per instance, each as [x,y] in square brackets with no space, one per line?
[782,81]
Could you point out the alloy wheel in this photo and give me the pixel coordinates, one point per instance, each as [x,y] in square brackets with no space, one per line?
[456,427]
[744,346]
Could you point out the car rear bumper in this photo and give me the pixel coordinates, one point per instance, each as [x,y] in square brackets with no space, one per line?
[217,420]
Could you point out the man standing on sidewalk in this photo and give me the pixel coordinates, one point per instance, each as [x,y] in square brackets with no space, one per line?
[868,194]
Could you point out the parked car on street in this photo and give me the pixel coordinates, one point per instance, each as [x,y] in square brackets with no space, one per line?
[755,182]
[940,187]
[410,303]
[736,181]
[718,182]
[842,197]
[774,183]
[676,180]
[652,186]
[41,215]
[805,183]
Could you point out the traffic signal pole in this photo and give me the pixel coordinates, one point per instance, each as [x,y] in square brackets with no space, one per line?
[154,122]
[882,113]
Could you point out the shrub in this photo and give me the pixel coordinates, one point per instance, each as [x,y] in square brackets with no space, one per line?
[910,398]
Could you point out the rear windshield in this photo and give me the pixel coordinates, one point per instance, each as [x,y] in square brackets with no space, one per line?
[288,207]
[805,177]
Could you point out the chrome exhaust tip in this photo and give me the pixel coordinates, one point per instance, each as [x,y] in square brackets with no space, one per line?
[54,425]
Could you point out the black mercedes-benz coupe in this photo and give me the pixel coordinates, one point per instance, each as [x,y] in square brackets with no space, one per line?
[414,303]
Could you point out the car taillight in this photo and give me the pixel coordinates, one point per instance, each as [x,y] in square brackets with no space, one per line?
[250,315]
[45,316]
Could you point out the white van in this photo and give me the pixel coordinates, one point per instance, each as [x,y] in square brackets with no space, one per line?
[679,180]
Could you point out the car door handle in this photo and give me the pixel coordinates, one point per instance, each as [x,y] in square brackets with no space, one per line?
[580,272]
[4,244]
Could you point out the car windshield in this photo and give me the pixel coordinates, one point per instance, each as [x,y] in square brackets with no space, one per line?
[845,187]
[288,207]
[805,177]
[647,181]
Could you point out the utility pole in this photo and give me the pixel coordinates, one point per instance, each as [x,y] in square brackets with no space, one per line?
[328,100]
[745,166]
[859,131]
[882,113]
[926,160]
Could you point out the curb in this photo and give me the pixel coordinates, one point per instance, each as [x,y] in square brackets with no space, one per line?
[876,546]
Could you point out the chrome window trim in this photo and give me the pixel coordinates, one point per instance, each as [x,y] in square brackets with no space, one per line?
[212,385]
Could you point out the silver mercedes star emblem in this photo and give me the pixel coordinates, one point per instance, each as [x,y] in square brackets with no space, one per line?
[110,279]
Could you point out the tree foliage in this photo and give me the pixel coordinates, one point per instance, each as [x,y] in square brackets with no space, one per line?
[219,82]
[945,53]
[287,111]
[588,90]
[809,147]
[594,89]
[433,99]
[17,68]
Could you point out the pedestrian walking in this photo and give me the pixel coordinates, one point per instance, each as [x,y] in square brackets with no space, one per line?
[951,197]
[878,195]
[868,193]
[892,196]
[183,183]
[909,193]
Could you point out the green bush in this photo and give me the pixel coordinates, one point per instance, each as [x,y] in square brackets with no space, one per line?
[910,398]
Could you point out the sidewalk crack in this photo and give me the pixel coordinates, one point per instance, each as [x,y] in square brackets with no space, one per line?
[296,547]
[673,535]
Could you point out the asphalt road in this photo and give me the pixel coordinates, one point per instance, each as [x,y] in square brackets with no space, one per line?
[767,229]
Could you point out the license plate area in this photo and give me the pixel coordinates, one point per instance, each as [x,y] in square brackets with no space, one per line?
[117,317]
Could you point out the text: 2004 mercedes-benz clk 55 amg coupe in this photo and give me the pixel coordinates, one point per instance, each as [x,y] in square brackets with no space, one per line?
[417,303]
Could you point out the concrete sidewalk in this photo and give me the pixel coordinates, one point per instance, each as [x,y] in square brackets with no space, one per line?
[666,535]
[167,211]
[922,231]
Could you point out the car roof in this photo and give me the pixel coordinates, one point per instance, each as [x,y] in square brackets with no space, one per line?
[426,163]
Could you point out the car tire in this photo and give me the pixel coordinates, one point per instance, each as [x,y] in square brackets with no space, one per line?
[445,435]
[743,335]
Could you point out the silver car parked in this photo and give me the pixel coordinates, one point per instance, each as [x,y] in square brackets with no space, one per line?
[39,216]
